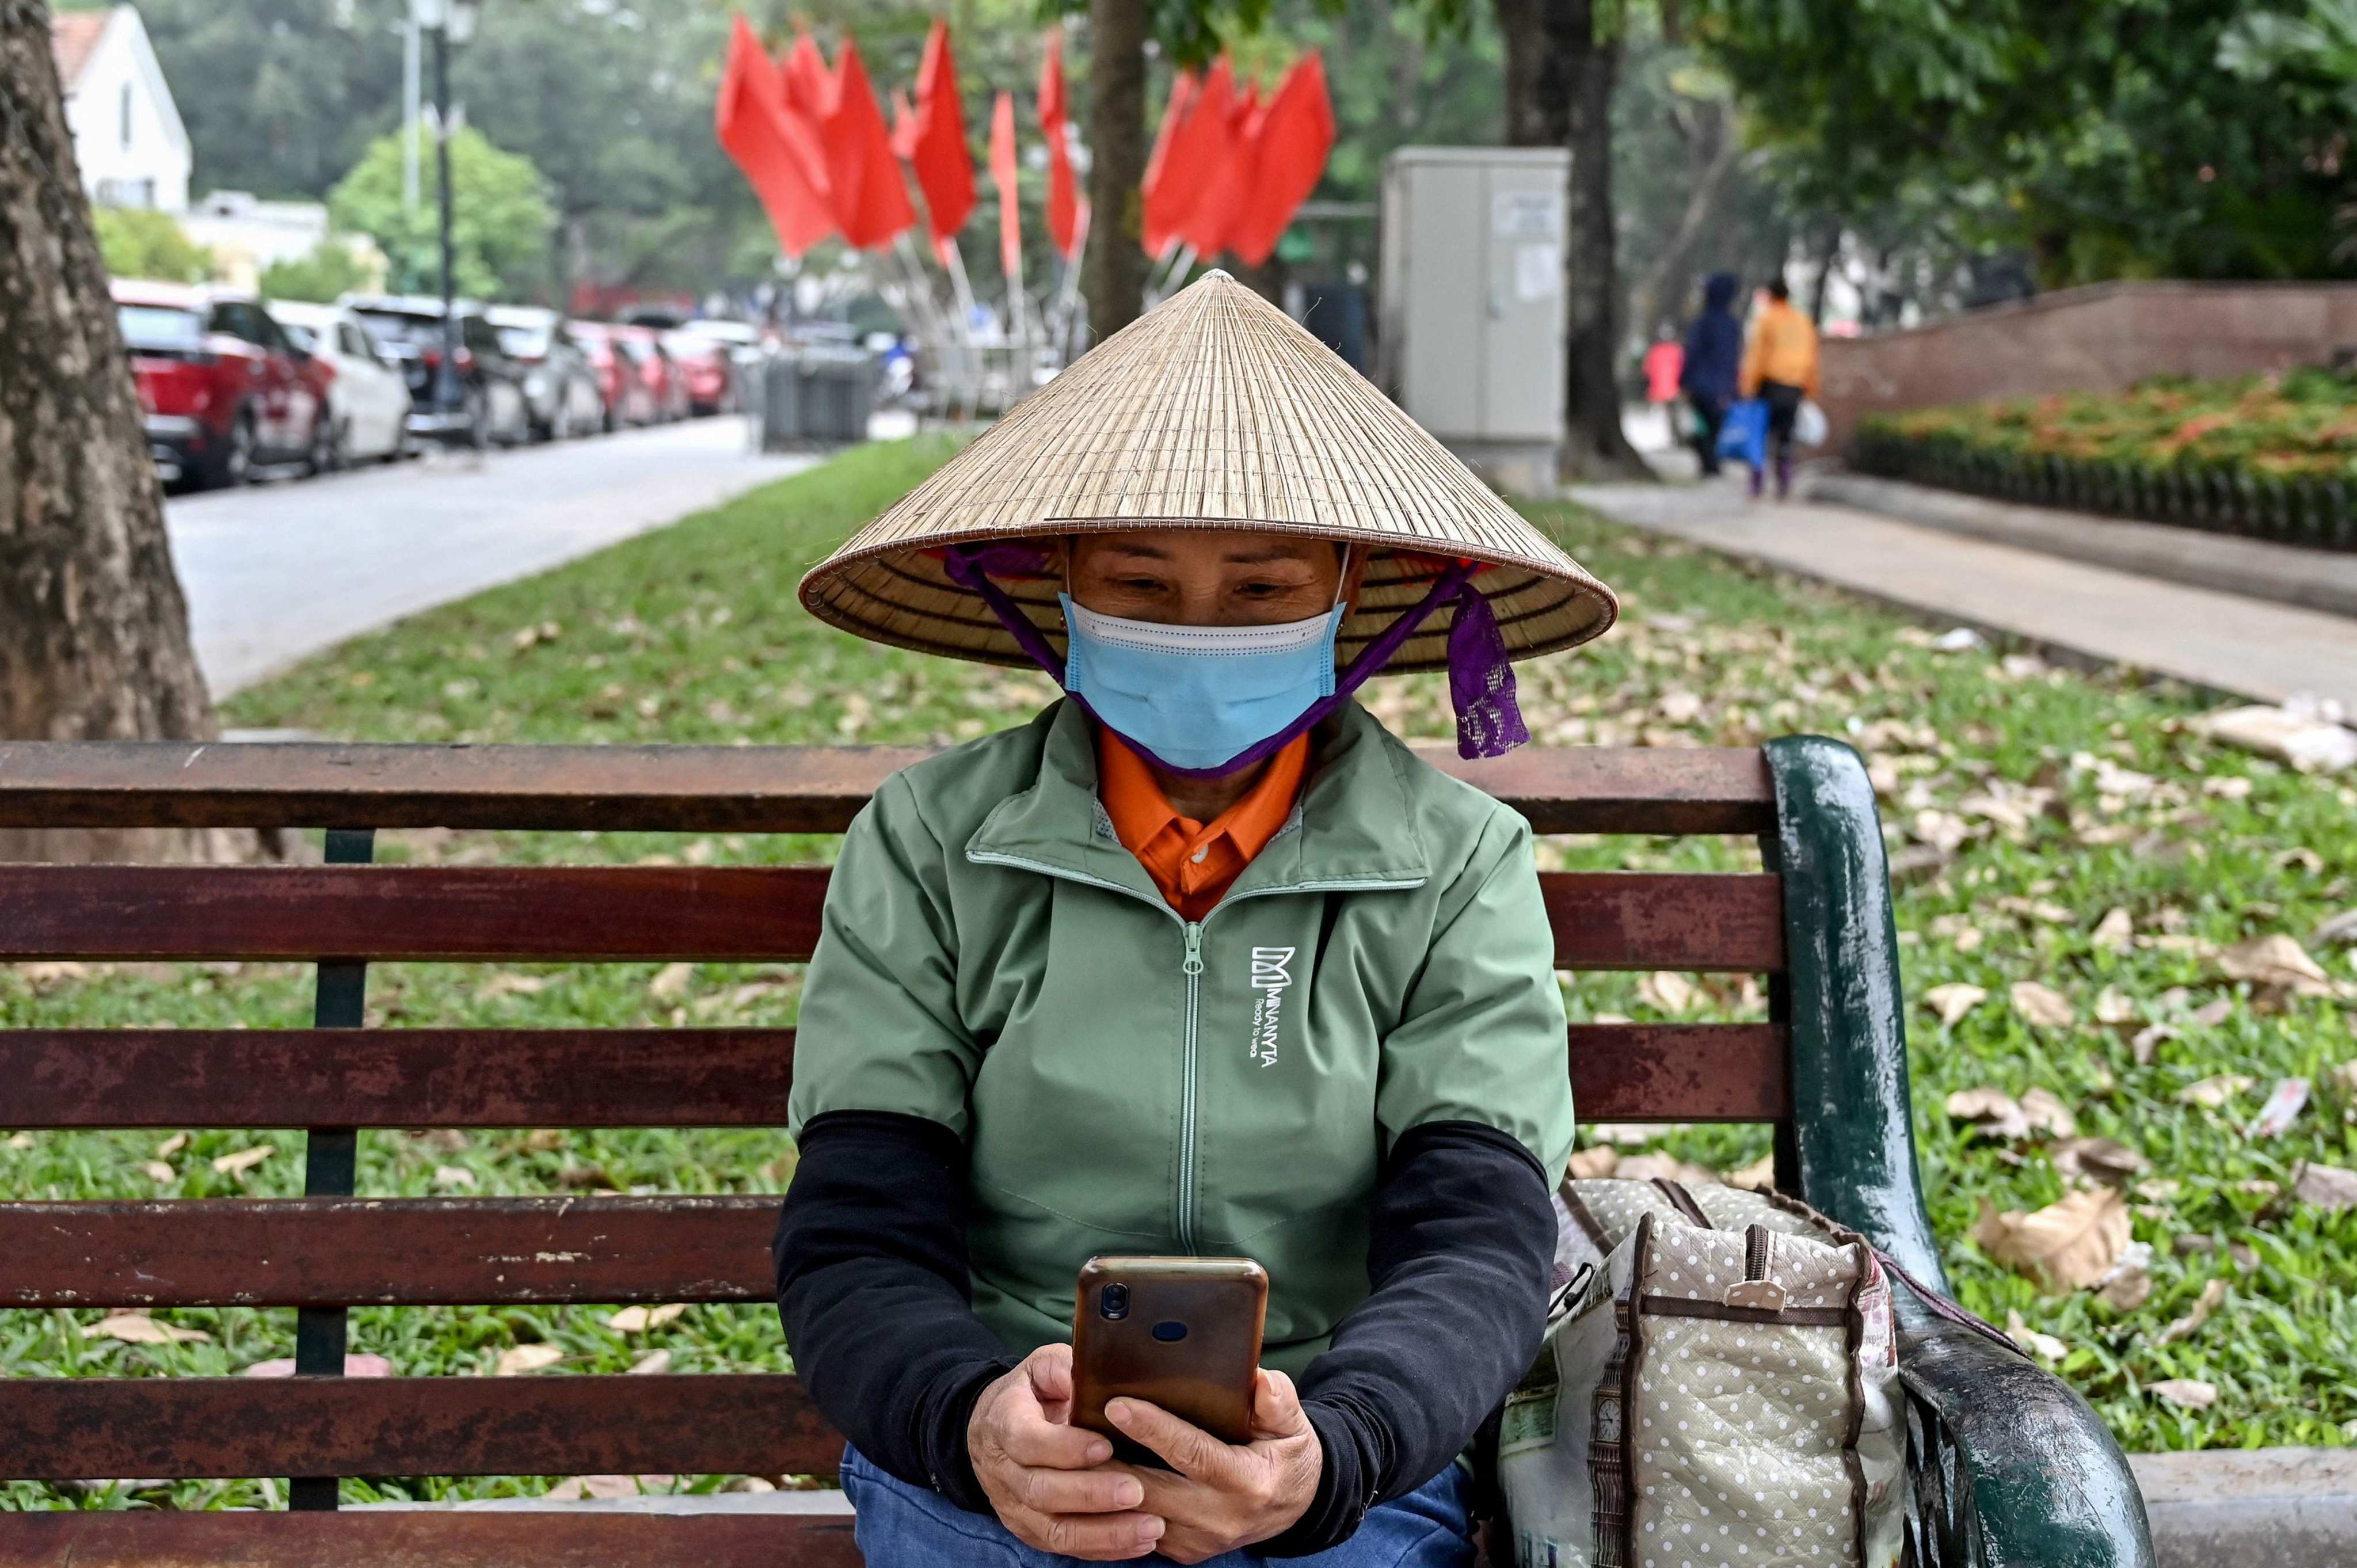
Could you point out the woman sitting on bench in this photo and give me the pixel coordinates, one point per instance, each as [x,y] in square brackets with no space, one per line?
[1202,961]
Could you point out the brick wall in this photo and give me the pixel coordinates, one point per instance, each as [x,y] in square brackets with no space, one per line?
[2096,339]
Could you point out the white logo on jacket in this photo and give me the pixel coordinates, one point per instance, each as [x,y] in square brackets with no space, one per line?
[1271,973]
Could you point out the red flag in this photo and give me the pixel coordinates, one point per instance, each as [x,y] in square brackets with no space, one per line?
[1063,200]
[1225,171]
[904,126]
[1290,143]
[938,153]
[1002,173]
[1162,205]
[751,121]
[871,204]
[807,80]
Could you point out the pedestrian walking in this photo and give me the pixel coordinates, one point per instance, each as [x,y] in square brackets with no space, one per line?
[1779,368]
[1714,354]
[1664,364]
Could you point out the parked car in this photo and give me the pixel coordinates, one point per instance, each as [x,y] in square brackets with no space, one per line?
[560,384]
[490,406]
[222,389]
[369,400]
[628,398]
[663,380]
[706,371]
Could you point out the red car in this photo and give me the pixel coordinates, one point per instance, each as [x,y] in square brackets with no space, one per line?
[628,399]
[704,367]
[224,389]
[661,375]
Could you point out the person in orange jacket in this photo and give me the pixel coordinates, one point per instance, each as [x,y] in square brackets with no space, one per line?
[1779,367]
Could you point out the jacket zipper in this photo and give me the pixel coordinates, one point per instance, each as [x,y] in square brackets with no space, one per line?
[1192,966]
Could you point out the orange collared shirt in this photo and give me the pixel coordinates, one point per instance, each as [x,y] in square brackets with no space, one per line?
[1191,863]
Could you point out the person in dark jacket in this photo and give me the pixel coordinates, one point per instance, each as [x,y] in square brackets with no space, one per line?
[1714,356]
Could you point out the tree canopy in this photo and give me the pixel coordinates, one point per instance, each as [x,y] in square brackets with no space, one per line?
[501,223]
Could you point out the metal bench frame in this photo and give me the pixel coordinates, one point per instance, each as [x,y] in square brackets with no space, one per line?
[2008,1466]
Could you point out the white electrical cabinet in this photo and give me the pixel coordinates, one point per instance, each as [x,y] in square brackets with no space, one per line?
[1470,328]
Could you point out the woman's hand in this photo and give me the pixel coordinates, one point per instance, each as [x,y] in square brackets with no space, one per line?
[1047,1479]
[1226,1495]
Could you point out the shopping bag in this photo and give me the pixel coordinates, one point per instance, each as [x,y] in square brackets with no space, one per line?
[1809,423]
[1744,435]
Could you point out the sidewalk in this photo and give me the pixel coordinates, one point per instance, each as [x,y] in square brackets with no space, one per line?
[2222,641]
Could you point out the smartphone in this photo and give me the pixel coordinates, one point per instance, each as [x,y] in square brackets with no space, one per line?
[1180,1333]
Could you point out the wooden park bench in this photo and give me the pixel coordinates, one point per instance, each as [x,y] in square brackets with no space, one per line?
[2008,1466]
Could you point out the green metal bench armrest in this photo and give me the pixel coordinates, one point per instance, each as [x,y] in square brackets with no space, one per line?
[2026,1472]
[2011,1468]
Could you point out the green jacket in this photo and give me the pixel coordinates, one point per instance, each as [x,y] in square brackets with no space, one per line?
[992,959]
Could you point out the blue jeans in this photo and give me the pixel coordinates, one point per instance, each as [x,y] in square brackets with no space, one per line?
[902,1526]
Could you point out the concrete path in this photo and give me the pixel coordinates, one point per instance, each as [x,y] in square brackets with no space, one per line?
[2224,641]
[275,572]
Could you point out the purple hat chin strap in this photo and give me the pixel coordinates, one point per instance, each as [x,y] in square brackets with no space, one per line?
[1480,678]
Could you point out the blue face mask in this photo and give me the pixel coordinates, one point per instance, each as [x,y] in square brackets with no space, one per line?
[1198,698]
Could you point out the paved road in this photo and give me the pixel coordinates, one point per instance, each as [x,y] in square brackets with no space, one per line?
[2224,641]
[277,571]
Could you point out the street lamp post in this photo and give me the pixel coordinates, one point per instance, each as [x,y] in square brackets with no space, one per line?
[450,22]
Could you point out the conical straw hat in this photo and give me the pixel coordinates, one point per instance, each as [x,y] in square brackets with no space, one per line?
[1214,410]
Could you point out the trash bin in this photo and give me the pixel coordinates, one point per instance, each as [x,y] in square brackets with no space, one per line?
[815,396]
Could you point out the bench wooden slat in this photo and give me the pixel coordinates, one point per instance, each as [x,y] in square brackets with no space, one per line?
[530,913]
[665,1078]
[361,1251]
[706,788]
[550,1424]
[388,1538]
[397,1078]
[165,1252]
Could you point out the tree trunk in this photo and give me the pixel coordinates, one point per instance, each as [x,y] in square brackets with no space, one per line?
[1660,289]
[1827,256]
[1113,273]
[94,632]
[1563,62]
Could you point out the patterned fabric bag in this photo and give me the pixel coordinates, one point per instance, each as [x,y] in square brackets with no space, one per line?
[1719,1388]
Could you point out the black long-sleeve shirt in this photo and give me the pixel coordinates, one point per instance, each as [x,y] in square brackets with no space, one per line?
[874,1291]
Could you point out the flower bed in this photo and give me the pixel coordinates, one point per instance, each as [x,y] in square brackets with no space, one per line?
[2269,457]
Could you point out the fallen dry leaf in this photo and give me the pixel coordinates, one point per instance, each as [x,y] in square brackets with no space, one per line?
[2214,1092]
[2041,1006]
[1953,1001]
[2327,1188]
[1667,991]
[244,1159]
[2067,1245]
[1760,1175]
[2210,1015]
[654,1363]
[2147,1039]
[1588,1165]
[1994,1112]
[354,1367]
[2341,927]
[2191,1393]
[573,1488]
[1666,1167]
[2113,1006]
[2047,1114]
[2127,1290]
[509,984]
[2103,1159]
[2115,932]
[638,1319]
[20,1140]
[2282,1108]
[158,1172]
[669,983]
[2276,960]
[171,1145]
[526,1359]
[2185,1328]
[449,1177]
[2043,1345]
[138,1329]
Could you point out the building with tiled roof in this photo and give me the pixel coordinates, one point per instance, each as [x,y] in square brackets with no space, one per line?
[128,140]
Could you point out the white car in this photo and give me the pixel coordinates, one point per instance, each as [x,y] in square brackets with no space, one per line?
[369,398]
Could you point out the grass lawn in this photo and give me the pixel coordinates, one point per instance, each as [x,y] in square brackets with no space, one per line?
[2026,805]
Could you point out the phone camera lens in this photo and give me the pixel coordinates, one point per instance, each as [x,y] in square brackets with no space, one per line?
[1112,1302]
